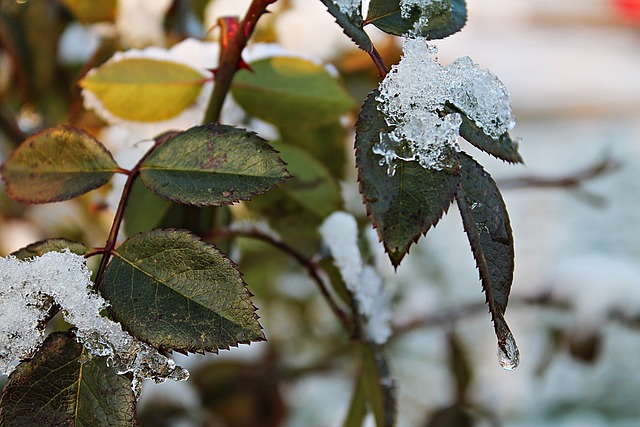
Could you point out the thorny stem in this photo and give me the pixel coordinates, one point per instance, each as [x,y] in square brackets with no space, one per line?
[230,59]
[311,266]
[110,245]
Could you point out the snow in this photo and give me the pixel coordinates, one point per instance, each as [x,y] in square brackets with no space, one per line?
[349,7]
[340,234]
[413,96]
[406,6]
[140,22]
[31,287]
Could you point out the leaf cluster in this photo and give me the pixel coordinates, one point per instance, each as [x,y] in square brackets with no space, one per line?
[167,284]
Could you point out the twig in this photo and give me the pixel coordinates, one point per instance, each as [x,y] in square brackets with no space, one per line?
[119,215]
[573,180]
[231,57]
[311,266]
[452,315]
[377,60]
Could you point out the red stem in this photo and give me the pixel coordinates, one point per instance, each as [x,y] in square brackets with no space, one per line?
[110,245]
[231,57]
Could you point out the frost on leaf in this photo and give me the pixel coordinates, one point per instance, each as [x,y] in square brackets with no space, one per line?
[413,98]
[425,8]
[340,234]
[30,288]
[348,7]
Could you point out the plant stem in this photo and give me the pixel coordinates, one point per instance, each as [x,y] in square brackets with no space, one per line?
[230,59]
[311,266]
[377,60]
[119,215]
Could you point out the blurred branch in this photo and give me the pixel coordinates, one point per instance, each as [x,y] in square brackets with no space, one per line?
[10,128]
[313,269]
[451,315]
[573,180]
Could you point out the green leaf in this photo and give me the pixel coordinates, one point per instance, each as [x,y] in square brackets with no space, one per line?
[64,386]
[176,292]
[57,164]
[486,222]
[351,24]
[379,385]
[358,406]
[443,18]
[312,185]
[144,90]
[405,205]
[324,142]
[50,245]
[297,208]
[287,90]
[144,210]
[212,165]
[503,148]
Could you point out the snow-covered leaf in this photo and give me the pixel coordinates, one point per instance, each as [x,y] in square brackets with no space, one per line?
[212,164]
[57,164]
[486,222]
[176,292]
[50,245]
[143,89]
[289,90]
[431,19]
[30,289]
[502,147]
[405,204]
[349,16]
[63,385]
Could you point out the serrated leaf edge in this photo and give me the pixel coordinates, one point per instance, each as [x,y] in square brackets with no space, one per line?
[224,256]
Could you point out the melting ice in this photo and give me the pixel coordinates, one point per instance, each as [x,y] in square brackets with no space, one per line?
[27,291]
[413,97]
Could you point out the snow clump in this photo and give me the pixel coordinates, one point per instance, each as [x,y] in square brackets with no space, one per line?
[28,291]
[417,98]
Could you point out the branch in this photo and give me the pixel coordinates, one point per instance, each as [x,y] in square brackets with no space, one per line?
[231,57]
[377,60]
[119,216]
[313,269]
[602,167]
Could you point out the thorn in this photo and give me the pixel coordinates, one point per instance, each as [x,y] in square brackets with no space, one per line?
[242,65]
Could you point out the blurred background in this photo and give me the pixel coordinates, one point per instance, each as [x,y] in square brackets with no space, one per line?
[573,71]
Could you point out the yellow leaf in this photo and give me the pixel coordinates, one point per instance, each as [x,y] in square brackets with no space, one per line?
[144,90]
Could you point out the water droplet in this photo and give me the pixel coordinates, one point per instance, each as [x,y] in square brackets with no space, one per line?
[508,353]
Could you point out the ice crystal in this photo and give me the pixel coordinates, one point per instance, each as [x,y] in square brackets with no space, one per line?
[340,234]
[413,97]
[349,7]
[408,7]
[28,290]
